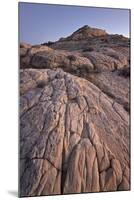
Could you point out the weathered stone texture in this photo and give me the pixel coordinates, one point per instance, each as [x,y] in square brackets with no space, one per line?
[74,114]
[68,140]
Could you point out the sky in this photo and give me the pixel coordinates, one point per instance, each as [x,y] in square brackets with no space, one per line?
[39,23]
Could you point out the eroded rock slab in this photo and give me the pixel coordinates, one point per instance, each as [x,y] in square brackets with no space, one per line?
[73,137]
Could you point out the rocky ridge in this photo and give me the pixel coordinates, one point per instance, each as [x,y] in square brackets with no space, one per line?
[74,114]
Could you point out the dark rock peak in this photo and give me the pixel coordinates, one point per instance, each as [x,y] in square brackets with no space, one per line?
[83,28]
[85,32]
[89,29]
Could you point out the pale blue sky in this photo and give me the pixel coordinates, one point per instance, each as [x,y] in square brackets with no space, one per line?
[40,23]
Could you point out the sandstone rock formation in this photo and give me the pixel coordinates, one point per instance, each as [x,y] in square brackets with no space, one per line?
[74,115]
[85,32]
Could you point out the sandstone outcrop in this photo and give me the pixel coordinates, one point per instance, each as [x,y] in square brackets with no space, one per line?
[74,115]
[85,32]
[73,137]
[99,52]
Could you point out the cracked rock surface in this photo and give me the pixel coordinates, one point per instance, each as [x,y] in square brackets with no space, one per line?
[74,122]
[73,137]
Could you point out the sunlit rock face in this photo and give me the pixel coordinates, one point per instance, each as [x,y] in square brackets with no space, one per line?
[74,114]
